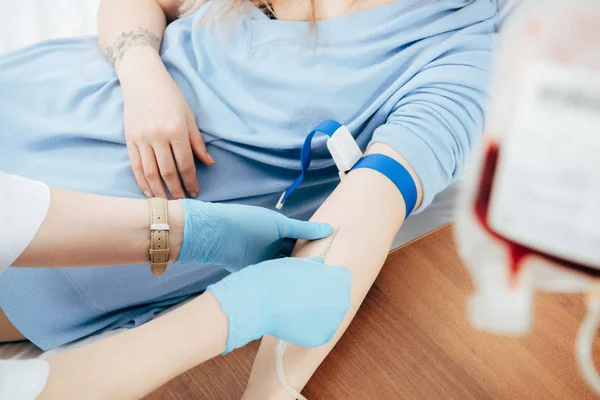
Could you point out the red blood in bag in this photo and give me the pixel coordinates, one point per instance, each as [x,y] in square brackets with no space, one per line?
[517,251]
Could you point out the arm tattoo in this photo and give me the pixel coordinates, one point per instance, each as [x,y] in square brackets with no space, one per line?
[326,251]
[129,40]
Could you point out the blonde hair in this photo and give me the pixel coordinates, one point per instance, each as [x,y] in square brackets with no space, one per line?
[230,7]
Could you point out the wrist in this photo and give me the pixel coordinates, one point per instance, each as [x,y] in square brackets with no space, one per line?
[243,301]
[176,228]
[214,329]
[200,233]
[136,64]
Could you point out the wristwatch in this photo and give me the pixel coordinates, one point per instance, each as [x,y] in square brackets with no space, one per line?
[159,236]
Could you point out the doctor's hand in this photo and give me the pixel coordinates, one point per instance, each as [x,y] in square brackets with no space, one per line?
[299,300]
[235,236]
[160,131]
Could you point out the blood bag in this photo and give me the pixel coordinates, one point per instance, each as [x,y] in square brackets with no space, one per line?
[529,218]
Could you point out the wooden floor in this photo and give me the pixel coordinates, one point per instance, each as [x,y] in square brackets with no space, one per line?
[411,340]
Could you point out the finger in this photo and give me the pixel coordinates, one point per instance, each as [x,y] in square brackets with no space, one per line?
[138,169]
[308,230]
[197,142]
[168,170]
[319,260]
[151,171]
[186,166]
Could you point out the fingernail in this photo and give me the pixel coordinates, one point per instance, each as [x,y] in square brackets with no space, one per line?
[193,195]
[210,159]
[147,193]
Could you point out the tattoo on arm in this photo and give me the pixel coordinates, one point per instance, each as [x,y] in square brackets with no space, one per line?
[326,251]
[129,40]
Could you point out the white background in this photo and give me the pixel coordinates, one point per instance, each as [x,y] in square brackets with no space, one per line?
[24,22]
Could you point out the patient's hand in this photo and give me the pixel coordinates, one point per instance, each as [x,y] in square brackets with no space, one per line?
[160,129]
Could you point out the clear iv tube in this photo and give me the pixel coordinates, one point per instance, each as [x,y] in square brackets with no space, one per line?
[282,344]
[585,340]
[280,349]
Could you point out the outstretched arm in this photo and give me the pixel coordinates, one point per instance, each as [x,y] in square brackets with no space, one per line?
[366,211]
[432,130]
[243,306]
[132,364]
[84,229]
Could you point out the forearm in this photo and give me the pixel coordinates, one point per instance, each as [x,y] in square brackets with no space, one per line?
[132,364]
[130,32]
[366,210]
[85,230]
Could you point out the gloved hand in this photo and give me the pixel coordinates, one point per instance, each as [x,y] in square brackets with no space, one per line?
[299,300]
[235,236]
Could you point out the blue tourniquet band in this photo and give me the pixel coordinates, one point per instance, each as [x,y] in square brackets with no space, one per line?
[385,165]
[396,173]
[327,127]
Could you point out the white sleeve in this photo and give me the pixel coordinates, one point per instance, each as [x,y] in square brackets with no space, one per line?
[23,207]
[23,379]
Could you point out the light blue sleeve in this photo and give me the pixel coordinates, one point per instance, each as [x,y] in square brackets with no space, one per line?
[439,119]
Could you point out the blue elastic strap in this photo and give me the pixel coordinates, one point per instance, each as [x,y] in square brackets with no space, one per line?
[327,127]
[396,173]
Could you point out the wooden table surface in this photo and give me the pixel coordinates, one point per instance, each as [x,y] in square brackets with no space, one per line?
[411,340]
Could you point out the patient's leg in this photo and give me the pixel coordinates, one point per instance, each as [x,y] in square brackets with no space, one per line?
[8,332]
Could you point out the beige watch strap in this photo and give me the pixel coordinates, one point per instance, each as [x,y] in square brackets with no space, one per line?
[159,236]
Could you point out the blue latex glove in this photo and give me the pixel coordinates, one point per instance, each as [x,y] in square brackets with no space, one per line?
[299,300]
[235,236]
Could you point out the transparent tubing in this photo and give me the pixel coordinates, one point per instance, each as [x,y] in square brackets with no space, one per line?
[585,339]
[280,349]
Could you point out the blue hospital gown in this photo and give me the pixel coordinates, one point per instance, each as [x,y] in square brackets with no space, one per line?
[412,74]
